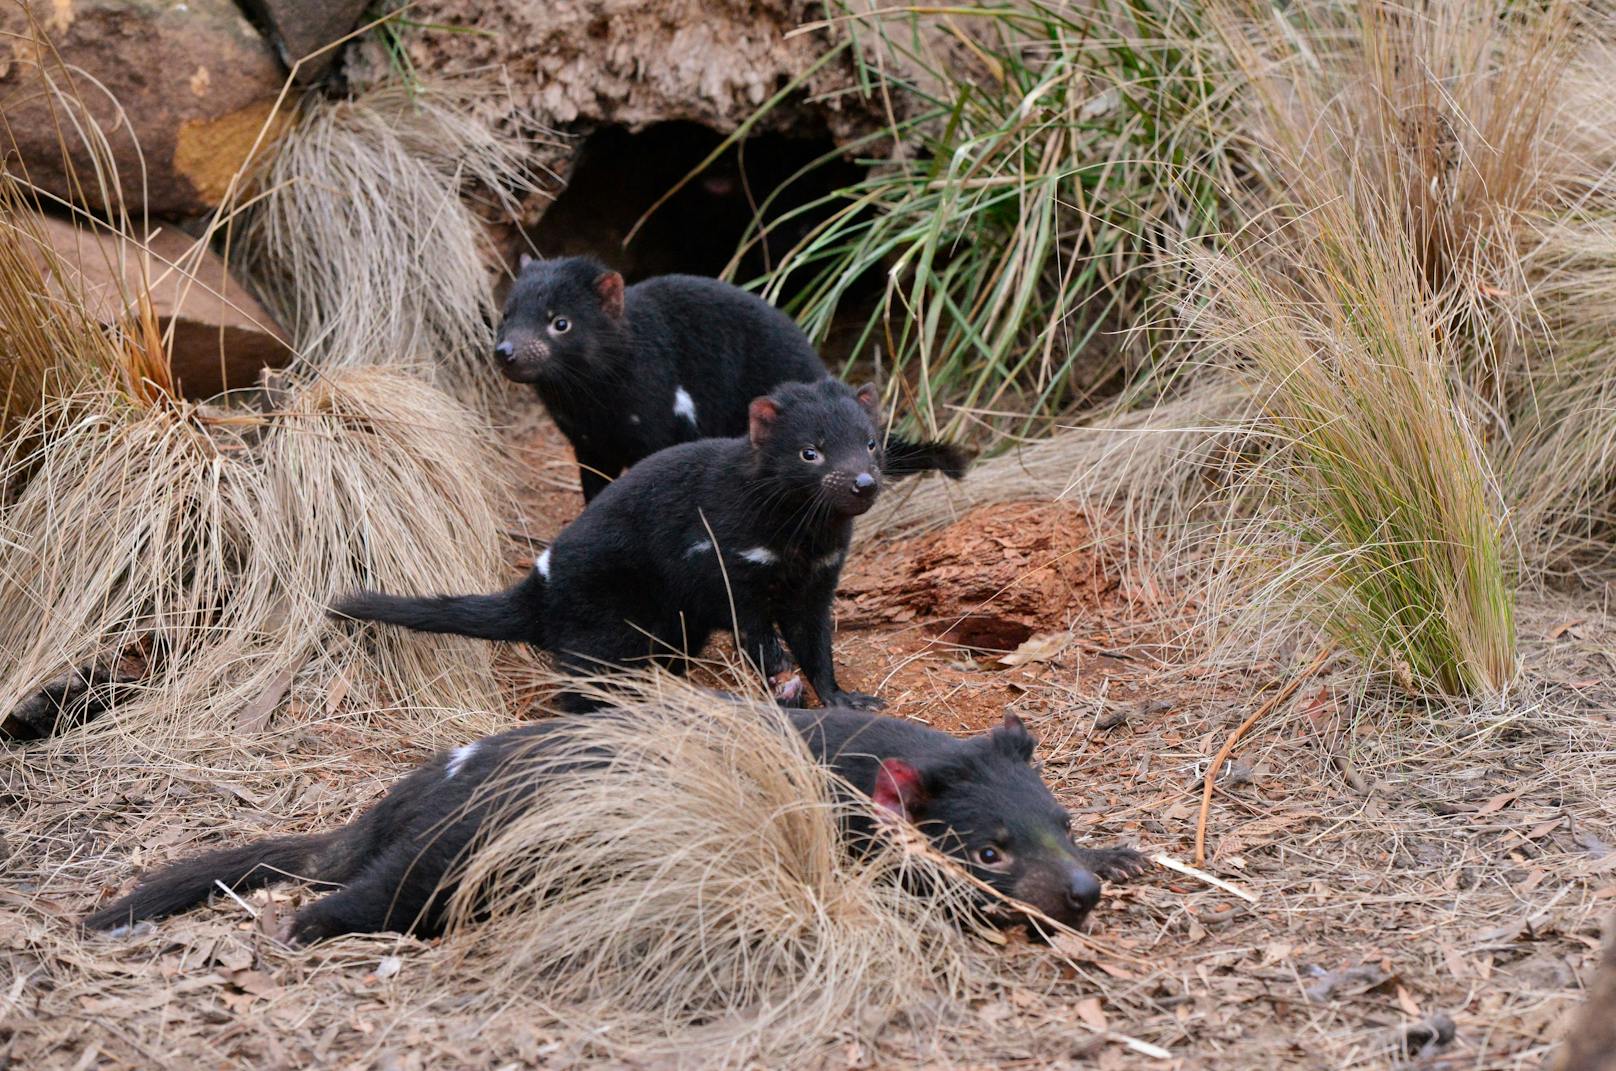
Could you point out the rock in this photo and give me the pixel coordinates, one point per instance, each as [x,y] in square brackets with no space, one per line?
[297,28]
[222,336]
[576,65]
[1590,1042]
[195,82]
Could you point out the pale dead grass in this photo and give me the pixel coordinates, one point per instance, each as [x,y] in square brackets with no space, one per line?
[689,895]
[206,545]
[362,239]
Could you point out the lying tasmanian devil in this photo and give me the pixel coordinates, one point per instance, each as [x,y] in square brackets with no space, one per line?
[747,533]
[979,800]
[627,372]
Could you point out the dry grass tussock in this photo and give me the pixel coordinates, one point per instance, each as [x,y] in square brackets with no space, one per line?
[363,240]
[691,896]
[193,550]
[1376,510]
[1148,466]
[1472,144]
[45,343]
[1396,355]
[1399,156]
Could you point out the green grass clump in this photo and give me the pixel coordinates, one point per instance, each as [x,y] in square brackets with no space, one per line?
[1043,154]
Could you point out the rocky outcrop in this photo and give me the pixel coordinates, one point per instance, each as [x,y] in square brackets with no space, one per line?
[222,336]
[300,28]
[181,93]
[580,64]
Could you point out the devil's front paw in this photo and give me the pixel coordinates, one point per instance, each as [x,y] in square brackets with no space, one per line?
[1114,864]
[788,689]
[854,700]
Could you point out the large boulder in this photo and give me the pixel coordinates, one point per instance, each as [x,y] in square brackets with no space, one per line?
[300,28]
[181,92]
[222,336]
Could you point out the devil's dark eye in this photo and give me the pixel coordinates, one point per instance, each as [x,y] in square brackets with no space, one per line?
[561,325]
[871,445]
[810,454]
[988,856]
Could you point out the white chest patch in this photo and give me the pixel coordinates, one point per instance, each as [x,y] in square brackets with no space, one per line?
[634,418]
[543,564]
[457,759]
[684,406]
[699,548]
[760,556]
[828,561]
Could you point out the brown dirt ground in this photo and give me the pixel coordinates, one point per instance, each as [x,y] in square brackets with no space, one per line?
[1399,862]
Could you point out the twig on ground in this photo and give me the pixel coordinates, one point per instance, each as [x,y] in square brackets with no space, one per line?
[1163,859]
[1234,738]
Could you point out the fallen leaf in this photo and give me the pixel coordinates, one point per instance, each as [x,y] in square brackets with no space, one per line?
[1498,803]
[996,1012]
[257,983]
[1560,630]
[1042,647]
[1088,1009]
[1543,829]
[255,714]
[1406,1001]
[337,693]
[1354,980]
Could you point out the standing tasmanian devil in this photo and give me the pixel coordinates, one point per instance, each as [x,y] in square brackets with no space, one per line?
[979,800]
[748,533]
[625,372]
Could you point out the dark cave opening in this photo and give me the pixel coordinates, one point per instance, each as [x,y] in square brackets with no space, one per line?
[618,174]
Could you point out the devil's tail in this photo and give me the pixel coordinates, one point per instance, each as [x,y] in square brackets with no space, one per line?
[515,614]
[905,458]
[252,866]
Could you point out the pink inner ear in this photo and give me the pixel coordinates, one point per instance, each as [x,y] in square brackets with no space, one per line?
[1013,722]
[762,414]
[897,787]
[868,397]
[610,289]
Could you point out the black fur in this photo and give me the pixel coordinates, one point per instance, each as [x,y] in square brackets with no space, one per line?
[609,363]
[397,861]
[636,576]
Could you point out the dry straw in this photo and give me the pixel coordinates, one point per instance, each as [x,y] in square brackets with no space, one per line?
[692,898]
[362,238]
[1376,509]
[206,547]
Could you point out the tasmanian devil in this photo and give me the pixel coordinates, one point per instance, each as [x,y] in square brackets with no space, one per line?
[625,372]
[748,533]
[977,799]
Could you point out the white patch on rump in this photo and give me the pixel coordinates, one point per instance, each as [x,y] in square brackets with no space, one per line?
[760,555]
[699,548]
[457,759]
[829,561]
[543,564]
[684,405]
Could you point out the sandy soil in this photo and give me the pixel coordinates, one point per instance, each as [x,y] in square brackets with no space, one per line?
[1401,884]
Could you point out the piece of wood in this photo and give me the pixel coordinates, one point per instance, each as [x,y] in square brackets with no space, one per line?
[1234,738]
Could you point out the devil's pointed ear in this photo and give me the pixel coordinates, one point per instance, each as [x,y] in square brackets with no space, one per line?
[762,414]
[898,789]
[870,399]
[524,260]
[1011,738]
[609,288]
